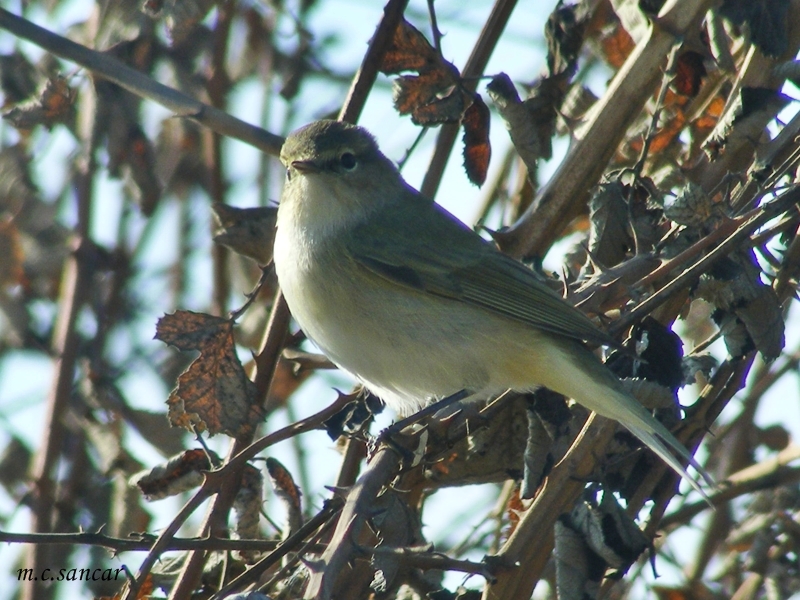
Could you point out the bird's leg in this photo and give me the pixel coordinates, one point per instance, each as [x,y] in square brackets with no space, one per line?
[413,456]
[425,412]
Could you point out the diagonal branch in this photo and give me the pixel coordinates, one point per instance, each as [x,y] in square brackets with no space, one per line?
[563,197]
[142,85]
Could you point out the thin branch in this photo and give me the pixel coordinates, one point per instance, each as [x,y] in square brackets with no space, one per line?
[476,65]
[565,195]
[769,473]
[669,75]
[164,541]
[140,84]
[329,510]
[529,547]
[368,71]
[341,549]
[144,543]
[424,558]
[436,34]
[745,225]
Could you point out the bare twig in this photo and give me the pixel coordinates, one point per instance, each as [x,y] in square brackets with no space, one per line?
[771,472]
[328,511]
[527,551]
[341,548]
[144,543]
[745,226]
[368,72]
[140,84]
[565,195]
[474,68]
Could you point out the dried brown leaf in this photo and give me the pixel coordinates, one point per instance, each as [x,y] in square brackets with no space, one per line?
[18,77]
[435,94]
[531,124]
[214,393]
[689,73]
[765,20]
[428,97]
[617,46]
[746,118]
[610,237]
[54,105]
[564,35]
[247,506]
[247,231]
[179,474]
[288,493]
[477,149]
[409,51]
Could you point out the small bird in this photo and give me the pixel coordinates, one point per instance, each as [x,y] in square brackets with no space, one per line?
[416,305]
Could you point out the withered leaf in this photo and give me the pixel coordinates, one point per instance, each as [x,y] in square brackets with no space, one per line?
[608,530]
[531,123]
[710,117]
[435,94]
[183,17]
[179,157]
[576,565]
[477,149]
[54,105]
[746,118]
[15,461]
[765,19]
[247,506]
[140,158]
[247,231]
[538,458]
[737,341]
[490,453]
[428,99]
[693,207]
[617,46]
[214,393]
[734,286]
[18,78]
[409,51]
[400,527]
[180,473]
[763,318]
[288,493]
[610,235]
[760,99]
[564,34]
[689,74]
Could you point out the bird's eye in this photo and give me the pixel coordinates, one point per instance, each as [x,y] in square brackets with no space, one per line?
[348,161]
[288,174]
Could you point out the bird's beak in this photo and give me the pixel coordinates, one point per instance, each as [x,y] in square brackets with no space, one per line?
[305,166]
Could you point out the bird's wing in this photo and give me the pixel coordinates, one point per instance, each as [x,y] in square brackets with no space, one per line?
[432,251]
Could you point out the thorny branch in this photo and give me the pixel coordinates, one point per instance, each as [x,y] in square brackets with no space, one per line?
[751,176]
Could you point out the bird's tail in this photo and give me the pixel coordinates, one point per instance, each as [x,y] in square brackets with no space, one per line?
[576,372]
[655,436]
